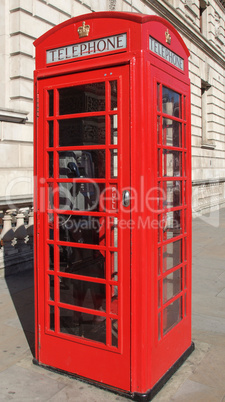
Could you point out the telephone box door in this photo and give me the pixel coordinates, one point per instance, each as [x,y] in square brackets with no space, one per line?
[83,244]
[172,304]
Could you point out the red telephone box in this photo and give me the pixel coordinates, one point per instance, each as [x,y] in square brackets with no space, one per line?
[113,200]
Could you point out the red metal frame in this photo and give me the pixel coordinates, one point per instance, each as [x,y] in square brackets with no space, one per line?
[55,340]
[142,357]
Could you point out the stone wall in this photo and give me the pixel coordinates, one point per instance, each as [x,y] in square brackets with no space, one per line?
[207,196]
[23,21]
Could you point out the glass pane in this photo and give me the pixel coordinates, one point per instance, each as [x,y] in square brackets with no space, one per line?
[185,277]
[50,224]
[114,266]
[113,222]
[171,225]
[51,257]
[82,229]
[82,98]
[113,86]
[50,102]
[159,163]
[113,120]
[82,261]
[171,315]
[76,164]
[172,163]
[172,194]
[50,164]
[171,285]
[185,248]
[114,327]
[158,130]
[81,196]
[172,133]
[185,304]
[51,287]
[85,131]
[171,102]
[185,220]
[185,191]
[185,136]
[160,225]
[185,106]
[87,326]
[159,196]
[158,98]
[51,132]
[114,300]
[159,294]
[113,198]
[114,163]
[82,293]
[159,261]
[159,326]
[185,164]
[50,199]
[172,255]
[52,318]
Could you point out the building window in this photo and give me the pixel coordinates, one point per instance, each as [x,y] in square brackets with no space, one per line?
[203,17]
[206,142]
[218,29]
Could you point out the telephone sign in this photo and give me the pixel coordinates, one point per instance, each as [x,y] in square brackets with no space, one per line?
[94,47]
[113,201]
[165,53]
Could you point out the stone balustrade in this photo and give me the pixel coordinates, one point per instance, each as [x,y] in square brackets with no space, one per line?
[16,252]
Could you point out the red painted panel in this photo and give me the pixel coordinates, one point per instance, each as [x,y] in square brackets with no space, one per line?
[149,264]
[76,352]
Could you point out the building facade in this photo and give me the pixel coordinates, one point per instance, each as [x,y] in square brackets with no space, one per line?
[201,24]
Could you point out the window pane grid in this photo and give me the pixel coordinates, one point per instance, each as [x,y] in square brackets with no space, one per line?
[76,116]
[170,301]
[171,148]
[171,254]
[168,116]
[59,308]
[172,314]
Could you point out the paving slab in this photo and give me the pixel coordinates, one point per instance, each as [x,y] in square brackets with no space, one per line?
[78,391]
[13,347]
[208,323]
[19,384]
[200,378]
[211,371]
[195,391]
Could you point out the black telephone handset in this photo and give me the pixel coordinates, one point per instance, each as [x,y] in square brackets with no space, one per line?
[74,169]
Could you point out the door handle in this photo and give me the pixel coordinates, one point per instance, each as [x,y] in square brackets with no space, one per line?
[126,198]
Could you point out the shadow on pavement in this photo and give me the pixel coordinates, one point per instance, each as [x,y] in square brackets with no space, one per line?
[21,289]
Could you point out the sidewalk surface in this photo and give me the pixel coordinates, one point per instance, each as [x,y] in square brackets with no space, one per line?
[201,377]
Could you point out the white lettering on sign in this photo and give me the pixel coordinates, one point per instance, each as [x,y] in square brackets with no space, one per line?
[97,46]
[166,53]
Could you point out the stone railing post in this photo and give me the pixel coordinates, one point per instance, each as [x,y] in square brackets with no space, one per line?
[20,231]
[30,228]
[8,235]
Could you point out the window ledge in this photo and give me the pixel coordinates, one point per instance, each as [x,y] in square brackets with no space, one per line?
[188,7]
[210,144]
[13,116]
[219,39]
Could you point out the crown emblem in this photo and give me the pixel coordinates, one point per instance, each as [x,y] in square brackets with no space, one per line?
[83,30]
[168,37]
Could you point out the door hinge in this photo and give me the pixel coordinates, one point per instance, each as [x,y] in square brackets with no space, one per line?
[39,337]
[37,106]
[38,222]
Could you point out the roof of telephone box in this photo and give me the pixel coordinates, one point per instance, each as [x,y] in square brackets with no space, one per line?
[134,17]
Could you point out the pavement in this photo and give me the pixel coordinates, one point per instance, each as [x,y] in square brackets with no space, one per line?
[200,378]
